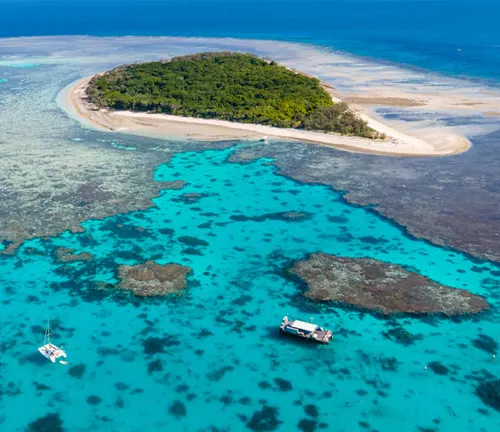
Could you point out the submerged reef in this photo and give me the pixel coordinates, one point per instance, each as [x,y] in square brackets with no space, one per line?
[152,279]
[378,286]
[173,185]
[489,392]
[63,254]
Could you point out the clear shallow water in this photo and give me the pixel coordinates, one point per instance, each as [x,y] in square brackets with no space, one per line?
[422,33]
[212,357]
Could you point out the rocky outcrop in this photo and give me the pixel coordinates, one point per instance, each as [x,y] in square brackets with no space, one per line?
[382,287]
[152,279]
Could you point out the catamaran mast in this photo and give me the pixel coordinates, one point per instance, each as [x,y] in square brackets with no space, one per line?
[47,333]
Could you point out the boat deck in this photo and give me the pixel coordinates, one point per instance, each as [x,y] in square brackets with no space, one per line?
[305,330]
[322,336]
[51,352]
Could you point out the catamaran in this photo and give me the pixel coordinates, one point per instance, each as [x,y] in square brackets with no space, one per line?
[49,350]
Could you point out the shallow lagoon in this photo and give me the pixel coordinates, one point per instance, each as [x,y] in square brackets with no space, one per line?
[212,359]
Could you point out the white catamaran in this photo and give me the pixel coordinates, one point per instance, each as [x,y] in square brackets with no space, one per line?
[49,350]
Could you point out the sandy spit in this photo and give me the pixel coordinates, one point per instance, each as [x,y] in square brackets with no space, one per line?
[73,101]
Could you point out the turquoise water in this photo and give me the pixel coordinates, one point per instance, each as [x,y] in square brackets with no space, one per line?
[22,65]
[211,359]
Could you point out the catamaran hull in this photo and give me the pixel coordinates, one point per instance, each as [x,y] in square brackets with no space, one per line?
[51,352]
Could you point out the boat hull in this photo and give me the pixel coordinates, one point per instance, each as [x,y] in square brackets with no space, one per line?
[305,330]
[51,352]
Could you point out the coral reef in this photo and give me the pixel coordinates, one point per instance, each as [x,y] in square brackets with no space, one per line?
[173,185]
[63,254]
[489,392]
[152,279]
[378,286]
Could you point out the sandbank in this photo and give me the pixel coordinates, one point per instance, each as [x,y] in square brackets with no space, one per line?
[398,143]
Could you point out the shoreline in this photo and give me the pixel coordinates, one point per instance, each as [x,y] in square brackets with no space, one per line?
[72,99]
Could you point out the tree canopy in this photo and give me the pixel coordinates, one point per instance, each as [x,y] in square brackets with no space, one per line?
[226,86]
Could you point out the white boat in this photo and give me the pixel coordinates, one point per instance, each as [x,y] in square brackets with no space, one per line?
[305,330]
[49,350]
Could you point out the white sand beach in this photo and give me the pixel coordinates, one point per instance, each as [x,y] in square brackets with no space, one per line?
[398,143]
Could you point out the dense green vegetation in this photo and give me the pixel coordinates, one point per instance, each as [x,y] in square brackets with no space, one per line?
[338,118]
[226,86]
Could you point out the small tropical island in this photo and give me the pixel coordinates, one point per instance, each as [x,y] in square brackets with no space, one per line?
[216,96]
[226,86]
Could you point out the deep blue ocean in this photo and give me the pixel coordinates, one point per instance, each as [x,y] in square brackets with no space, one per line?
[421,33]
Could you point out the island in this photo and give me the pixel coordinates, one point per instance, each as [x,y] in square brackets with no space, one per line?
[381,287]
[152,279]
[230,96]
[226,86]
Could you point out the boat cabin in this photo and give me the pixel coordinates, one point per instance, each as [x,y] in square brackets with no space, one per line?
[305,330]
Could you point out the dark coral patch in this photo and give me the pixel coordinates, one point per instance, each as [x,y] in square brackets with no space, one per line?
[125,231]
[177,409]
[192,251]
[307,425]
[205,333]
[119,403]
[157,345]
[218,374]
[485,343]
[390,364]
[182,388]
[40,386]
[283,384]
[338,219]
[166,231]
[402,336]
[264,385]
[155,366]
[226,400]
[311,410]
[264,420]
[121,386]
[282,216]
[34,358]
[49,423]
[94,400]
[241,300]
[37,329]
[77,371]
[489,392]
[373,240]
[190,197]
[192,241]
[438,368]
